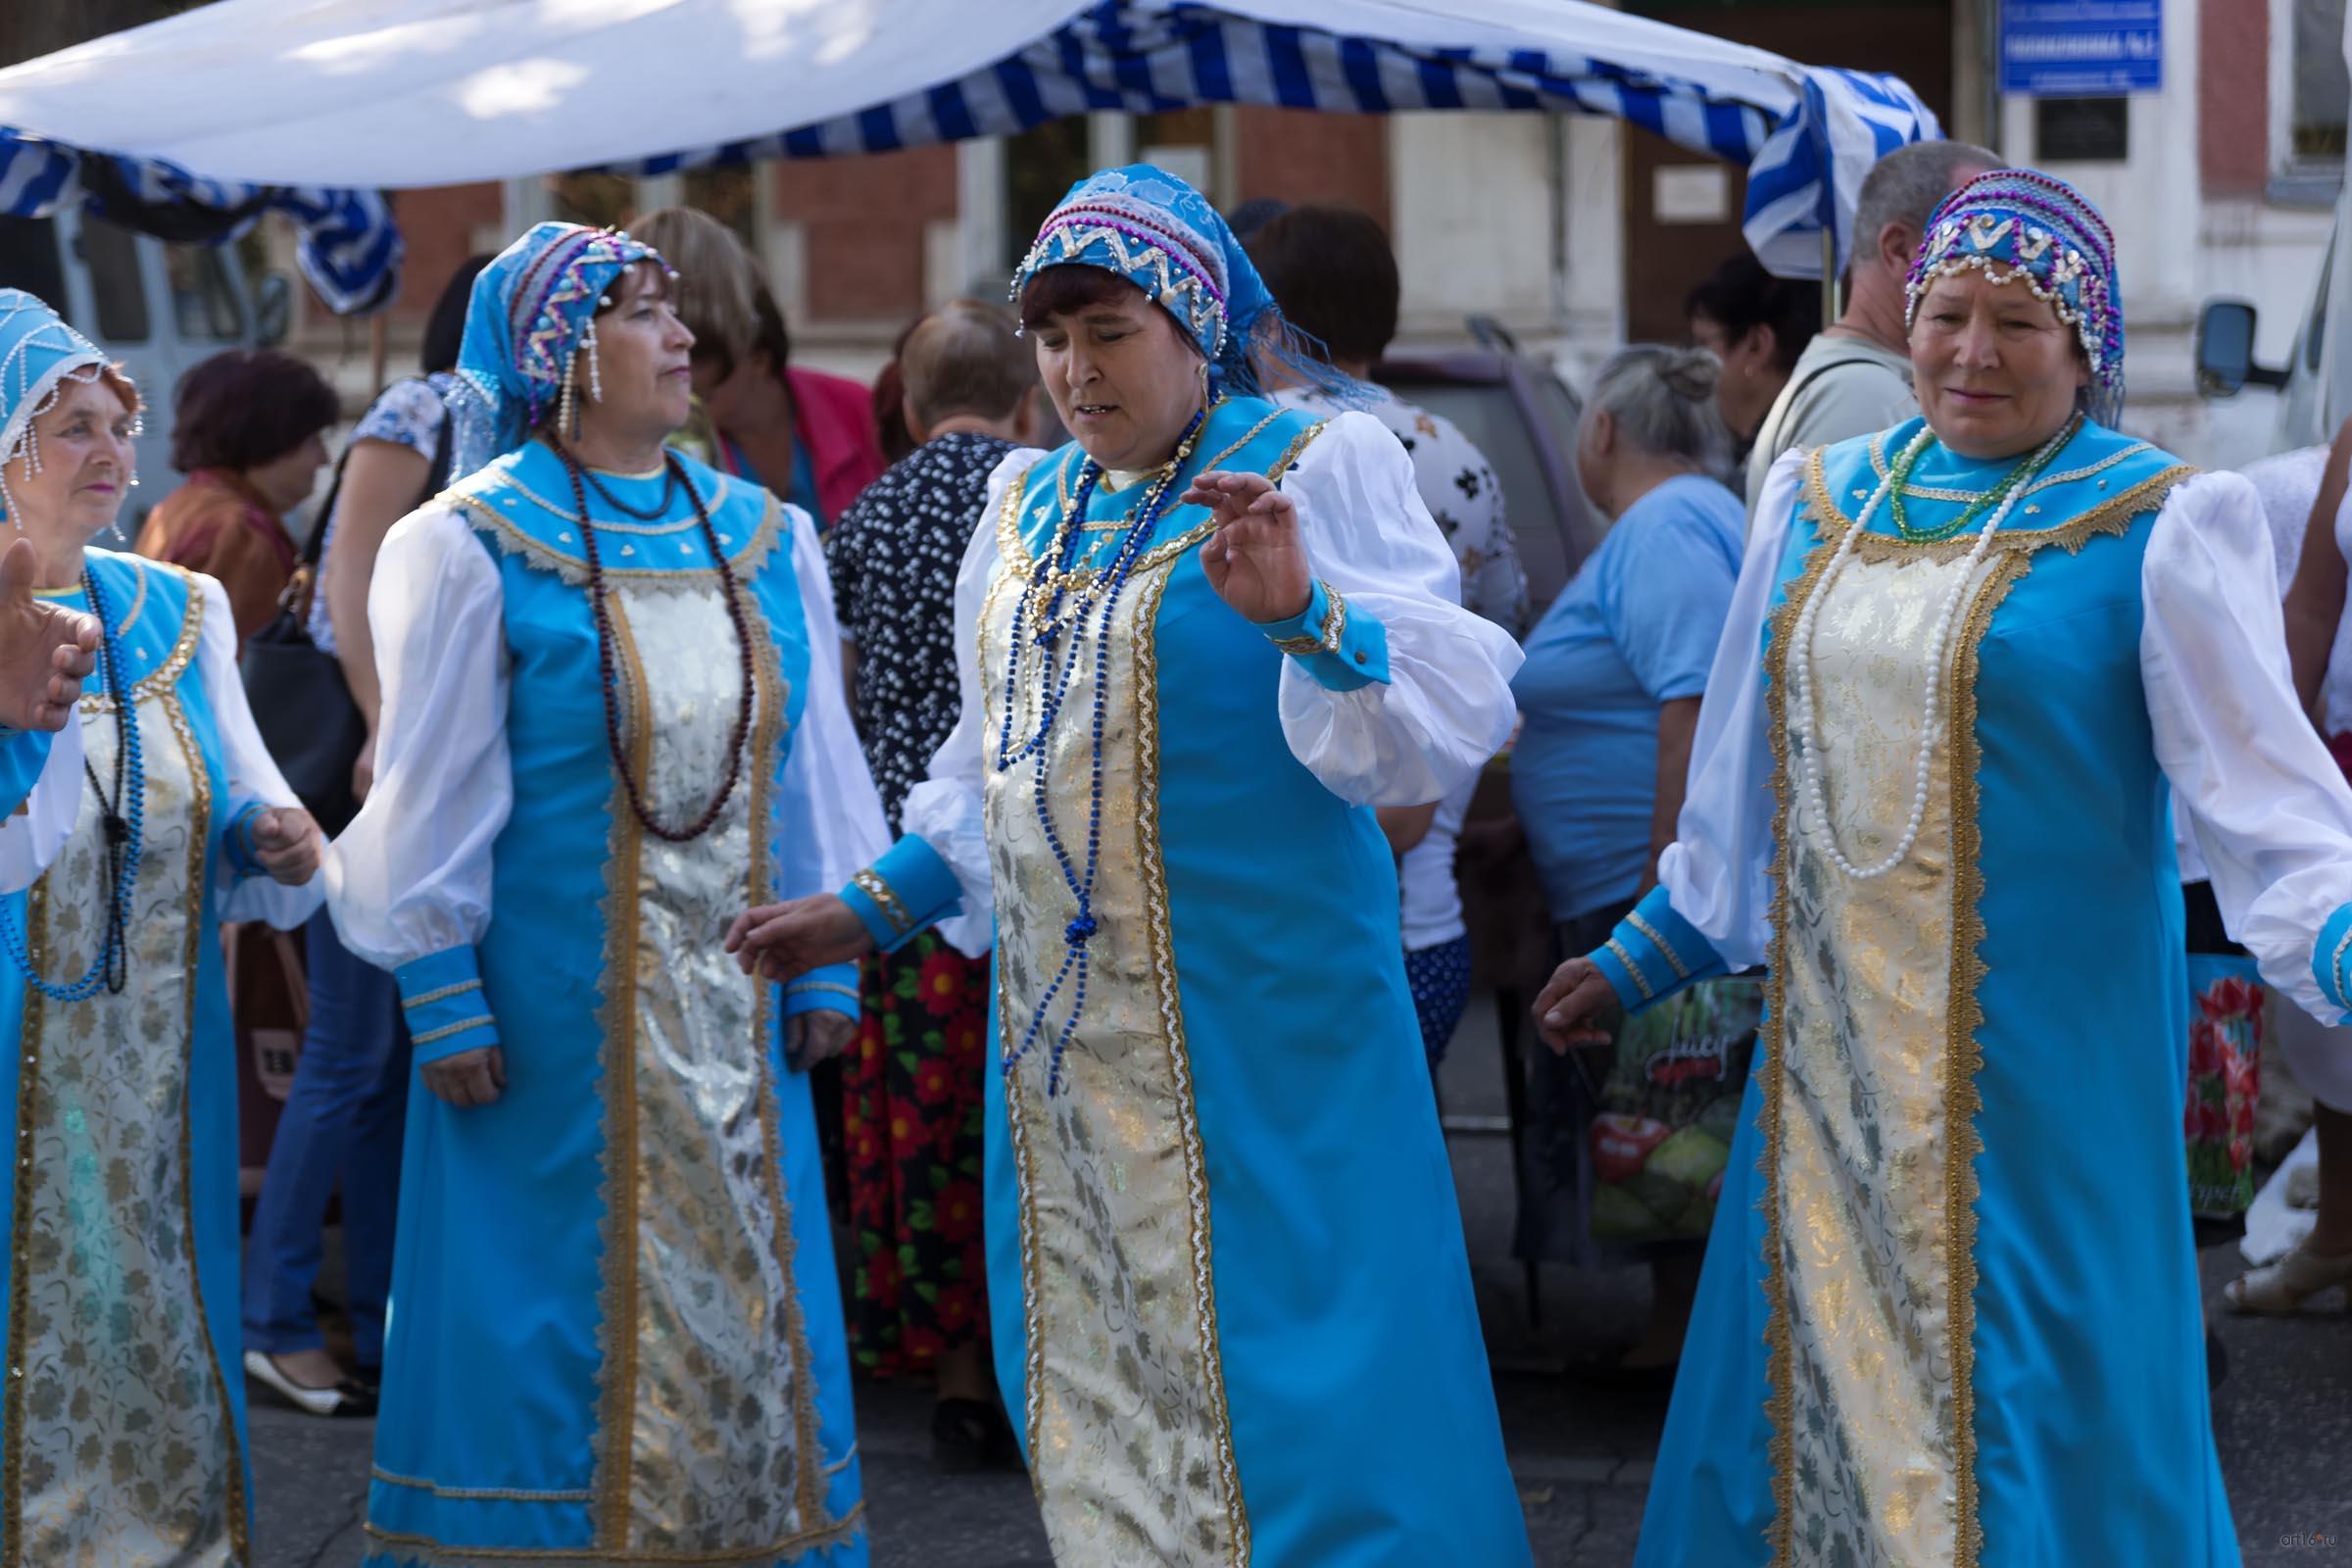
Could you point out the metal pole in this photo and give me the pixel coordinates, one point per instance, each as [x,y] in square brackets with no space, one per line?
[1828,276]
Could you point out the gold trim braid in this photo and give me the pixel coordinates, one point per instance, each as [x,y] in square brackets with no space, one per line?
[2110,517]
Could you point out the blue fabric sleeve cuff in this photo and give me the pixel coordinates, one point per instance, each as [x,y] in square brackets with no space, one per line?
[903,893]
[1655,952]
[23,753]
[442,1002]
[237,842]
[832,989]
[1342,648]
[2331,959]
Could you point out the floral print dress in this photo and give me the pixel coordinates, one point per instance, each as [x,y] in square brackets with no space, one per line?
[912,1087]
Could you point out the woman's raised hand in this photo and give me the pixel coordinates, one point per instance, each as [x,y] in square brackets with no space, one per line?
[1577,992]
[783,940]
[1255,560]
[45,649]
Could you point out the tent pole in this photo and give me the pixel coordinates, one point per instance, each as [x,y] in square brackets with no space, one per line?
[1828,276]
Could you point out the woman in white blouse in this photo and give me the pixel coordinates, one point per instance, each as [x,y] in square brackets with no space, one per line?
[613,714]
[1207,638]
[1949,1308]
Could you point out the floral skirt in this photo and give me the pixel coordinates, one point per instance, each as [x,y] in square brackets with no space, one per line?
[911,1094]
[2226,1002]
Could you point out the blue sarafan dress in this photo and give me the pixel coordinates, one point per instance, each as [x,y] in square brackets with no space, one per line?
[616,1332]
[1233,1313]
[1949,1311]
[123,1421]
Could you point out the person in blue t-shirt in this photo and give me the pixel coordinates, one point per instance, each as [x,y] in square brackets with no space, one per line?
[1608,700]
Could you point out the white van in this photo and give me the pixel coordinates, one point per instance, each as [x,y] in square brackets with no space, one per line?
[159,307]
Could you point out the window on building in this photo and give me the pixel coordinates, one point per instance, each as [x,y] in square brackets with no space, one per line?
[2081,130]
[28,260]
[2321,87]
[596,200]
[204,302]
[112,256]
[1040,164]
[726,193]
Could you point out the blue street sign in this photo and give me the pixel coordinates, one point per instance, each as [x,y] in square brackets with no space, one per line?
[2082,48]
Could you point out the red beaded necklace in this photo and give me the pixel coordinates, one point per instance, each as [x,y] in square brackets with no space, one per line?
[611,684]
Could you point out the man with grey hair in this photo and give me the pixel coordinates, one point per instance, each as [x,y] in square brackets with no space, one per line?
[1855,376]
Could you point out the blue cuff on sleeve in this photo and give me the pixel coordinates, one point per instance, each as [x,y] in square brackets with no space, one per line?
[2331,959]
[237,842]
[442,1002]
[903,893]
[1654,952]
[1342,648]
[832,989]
[23,753]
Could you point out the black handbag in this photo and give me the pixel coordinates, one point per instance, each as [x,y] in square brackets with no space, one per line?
[300,701]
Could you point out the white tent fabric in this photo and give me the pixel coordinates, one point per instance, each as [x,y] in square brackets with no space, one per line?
[427,92]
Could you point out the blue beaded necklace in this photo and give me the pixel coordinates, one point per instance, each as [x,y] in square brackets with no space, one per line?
[1050,618]
[123,819]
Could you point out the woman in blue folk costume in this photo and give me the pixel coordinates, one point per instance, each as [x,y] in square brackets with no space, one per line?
[1949,1311]
[612,712]
[121,1417]
[1232,1307]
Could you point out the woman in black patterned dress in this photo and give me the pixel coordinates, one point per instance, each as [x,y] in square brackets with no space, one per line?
[911,1089]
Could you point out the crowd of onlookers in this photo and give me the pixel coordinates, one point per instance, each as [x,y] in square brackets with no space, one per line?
[1672,445]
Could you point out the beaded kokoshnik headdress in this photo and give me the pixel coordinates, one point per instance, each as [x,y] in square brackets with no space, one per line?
[530,321]
[39,356]
[2020,225]
[1149,227]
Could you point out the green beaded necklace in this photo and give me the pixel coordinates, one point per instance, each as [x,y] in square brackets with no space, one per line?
[2024,473]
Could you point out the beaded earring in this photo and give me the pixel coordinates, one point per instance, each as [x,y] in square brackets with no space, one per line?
[596,374]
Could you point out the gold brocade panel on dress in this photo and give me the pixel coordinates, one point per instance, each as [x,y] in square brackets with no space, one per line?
[120,1453]
[1871,1072]
[1130,1449]
[705,1367]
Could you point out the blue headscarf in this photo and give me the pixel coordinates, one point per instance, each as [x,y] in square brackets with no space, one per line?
[533,309]
[39,354]
[1155,230]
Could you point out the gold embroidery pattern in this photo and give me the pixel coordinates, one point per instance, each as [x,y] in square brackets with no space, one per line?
[512,540]
[886,899]
[441,994]
[1327,638]
[1673,960]
[165,675]
[1924,492]
[1130,1440]
[1633,970]
[2111,517]
[451,1030]
[477,1494]
[1162,555]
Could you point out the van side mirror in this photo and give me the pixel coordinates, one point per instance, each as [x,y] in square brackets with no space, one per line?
[273,309]
[2226,350]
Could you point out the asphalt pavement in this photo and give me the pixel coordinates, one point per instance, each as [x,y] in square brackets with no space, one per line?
[1581,1453]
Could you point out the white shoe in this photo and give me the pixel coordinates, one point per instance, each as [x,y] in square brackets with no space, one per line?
[344,1398]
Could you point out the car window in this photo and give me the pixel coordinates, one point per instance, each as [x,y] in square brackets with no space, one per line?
[112,256]
[1490,417]
[28,260]
[203,303]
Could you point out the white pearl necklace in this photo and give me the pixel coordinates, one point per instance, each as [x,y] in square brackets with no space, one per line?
[1807,732]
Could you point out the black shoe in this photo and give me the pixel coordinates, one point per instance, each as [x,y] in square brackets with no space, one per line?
[968,1436]
[2217,1362]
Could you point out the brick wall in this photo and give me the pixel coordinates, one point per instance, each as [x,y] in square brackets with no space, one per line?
[1298,155]
[438,226]
[862,220]
[2234,130]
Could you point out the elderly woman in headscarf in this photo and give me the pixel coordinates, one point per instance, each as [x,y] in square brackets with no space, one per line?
[155,816]
[1950,1309]
[1203,641]
[613,714]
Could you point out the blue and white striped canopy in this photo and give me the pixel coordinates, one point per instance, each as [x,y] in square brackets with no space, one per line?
[305,95]
[348,245]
